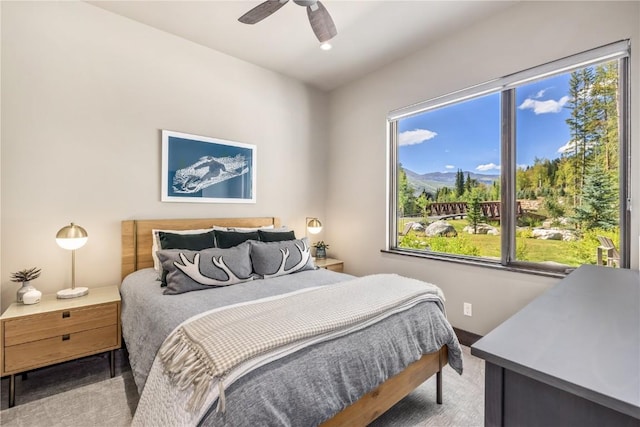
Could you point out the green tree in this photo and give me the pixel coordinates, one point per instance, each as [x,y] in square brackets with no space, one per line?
[605,96]
[581,125]
[599,201]
[445,194]
[459,183]
[474,210]
[554,208]
[423,203]
[468,184]
[406,199]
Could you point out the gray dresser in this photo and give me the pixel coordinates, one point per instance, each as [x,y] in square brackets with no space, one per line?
[569,358]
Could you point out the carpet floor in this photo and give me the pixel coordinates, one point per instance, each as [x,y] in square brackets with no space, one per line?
[81,393]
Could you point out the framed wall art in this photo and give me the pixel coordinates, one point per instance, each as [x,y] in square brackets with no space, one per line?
[201,169]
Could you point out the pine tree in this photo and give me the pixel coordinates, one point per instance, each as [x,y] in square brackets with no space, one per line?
[459,183]
[474,211]
[599,201]
[581,124]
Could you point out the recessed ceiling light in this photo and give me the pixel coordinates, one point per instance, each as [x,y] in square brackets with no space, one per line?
[326,46]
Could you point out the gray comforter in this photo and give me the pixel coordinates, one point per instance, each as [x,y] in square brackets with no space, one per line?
[305,388]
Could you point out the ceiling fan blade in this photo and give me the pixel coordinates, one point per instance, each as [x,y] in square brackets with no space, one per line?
[261,11]
[321,22]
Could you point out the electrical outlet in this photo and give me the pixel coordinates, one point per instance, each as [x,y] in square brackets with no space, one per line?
[467,309]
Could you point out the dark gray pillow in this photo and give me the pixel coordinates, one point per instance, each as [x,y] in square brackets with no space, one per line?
[195,270]
[276,236]
[194,242]
[229,239]
[272,259]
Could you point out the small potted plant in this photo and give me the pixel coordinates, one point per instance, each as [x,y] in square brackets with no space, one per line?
[321,249]
[25,277]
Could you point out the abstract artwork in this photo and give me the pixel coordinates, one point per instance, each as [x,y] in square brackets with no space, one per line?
[207,170]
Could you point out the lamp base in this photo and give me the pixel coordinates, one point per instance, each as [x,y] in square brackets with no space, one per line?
[72,293]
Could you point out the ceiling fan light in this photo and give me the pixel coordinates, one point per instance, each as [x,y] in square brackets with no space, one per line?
[326,46]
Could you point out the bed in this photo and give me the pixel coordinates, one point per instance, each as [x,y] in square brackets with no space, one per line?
[349,380]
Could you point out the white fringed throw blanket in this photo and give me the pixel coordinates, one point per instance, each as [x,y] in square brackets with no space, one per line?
[217,347]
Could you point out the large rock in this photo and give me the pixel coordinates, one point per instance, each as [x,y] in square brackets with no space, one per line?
[482,228]
[569,236]
[547,234]
[554,234]
[440,228]
[415,226]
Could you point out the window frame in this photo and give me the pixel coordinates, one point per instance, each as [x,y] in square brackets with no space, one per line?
[507,86]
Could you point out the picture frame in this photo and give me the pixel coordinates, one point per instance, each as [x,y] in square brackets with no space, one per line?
[201,169]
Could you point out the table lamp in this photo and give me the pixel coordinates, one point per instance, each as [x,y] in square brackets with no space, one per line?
[72,237]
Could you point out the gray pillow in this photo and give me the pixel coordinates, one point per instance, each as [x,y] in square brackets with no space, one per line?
[195,270]
[272,259]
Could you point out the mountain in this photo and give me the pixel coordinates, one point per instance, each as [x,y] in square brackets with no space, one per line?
[433,180]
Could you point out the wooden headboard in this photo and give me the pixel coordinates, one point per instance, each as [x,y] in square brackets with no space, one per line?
[137,241]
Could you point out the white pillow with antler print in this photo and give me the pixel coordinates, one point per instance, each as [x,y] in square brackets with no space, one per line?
[272,259]
[209,268]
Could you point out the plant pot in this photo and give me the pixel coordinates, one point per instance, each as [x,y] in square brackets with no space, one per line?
[26,287]
[321,253]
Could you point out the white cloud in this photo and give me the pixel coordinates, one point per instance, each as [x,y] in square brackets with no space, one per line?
[567,147]
[571,145]
[487,167]
[417,136]
[449,167]
[540,94]
[543,107]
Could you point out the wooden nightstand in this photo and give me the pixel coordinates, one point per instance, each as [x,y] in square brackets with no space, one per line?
[59,330]
[330,264]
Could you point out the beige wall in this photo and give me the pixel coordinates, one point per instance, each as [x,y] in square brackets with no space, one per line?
[85,94]
[523,36]
[82,85]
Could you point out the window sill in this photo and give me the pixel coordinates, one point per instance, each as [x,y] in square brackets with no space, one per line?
[484,264]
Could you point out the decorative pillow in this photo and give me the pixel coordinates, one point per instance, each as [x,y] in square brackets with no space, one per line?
[272,259]
[276,236]
[155,245]
[195,270]
[229,239]
[194,242]
[264,227]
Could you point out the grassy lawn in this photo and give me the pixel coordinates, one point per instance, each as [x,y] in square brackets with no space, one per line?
[528,249]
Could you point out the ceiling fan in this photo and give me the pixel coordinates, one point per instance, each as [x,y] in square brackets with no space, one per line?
[320,20]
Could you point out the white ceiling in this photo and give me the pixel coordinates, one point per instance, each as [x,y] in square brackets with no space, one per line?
[371,34]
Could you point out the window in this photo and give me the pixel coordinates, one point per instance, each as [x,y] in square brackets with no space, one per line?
[529,171]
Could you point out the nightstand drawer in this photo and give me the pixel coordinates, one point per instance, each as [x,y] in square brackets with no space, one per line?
[58,349]
[335,267]
[47,325]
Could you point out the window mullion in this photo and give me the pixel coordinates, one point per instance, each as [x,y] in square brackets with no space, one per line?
[507,176]
[625,162]
[392,185]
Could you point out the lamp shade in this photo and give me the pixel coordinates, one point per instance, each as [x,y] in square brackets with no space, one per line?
[72,237]
[314,226]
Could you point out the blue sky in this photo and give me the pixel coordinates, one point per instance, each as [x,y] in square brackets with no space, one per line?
[467,135]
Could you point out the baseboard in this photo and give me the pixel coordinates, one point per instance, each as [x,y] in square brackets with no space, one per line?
[465,337]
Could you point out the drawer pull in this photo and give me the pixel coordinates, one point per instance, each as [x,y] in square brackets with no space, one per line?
[66,314]
[66,337]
